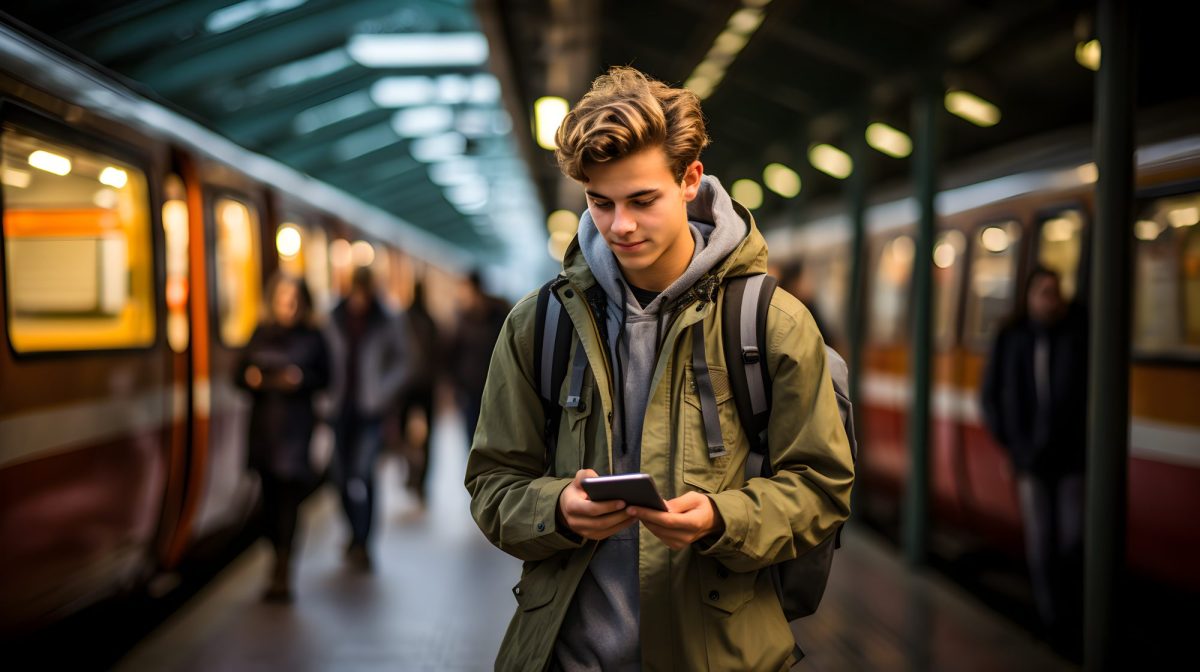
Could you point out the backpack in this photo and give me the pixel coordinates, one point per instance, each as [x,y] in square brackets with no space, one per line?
[800,582]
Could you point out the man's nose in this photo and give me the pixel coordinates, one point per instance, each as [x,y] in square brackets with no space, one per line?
[623,221]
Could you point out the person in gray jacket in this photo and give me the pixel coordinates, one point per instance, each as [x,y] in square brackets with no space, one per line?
[370,345]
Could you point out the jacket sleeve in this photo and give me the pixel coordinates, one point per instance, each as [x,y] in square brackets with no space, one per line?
[512,500]
[770,520]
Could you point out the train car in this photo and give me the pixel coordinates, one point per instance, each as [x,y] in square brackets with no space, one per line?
[990,232]
[134,254]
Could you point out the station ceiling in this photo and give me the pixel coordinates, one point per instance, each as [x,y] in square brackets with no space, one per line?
[301,81]
[821,71]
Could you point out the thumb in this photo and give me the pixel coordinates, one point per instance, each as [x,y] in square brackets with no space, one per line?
[584,473]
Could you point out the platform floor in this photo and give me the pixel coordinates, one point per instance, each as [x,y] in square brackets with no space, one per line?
[438,599]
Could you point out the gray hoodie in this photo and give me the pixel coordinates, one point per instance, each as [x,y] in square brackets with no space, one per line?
[601,627]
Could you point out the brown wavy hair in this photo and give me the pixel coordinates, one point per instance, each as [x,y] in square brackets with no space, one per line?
[625,112]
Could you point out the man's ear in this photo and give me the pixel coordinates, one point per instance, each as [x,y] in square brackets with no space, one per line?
[691,180]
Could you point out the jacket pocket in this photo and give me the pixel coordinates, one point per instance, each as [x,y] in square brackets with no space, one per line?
[723,589]
[538,584]
[710,474]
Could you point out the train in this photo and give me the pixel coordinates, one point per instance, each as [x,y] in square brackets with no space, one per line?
[136,246]
[1001,215]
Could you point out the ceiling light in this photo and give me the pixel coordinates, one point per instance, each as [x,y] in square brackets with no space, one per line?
[781,180]
[470,192]
[972,108]
[335,111]
[701,86]
[748,193]
[994,239]
[438,147]
[729,43]
[419,122]
[831,161]
[1147,229]
[548,113]
[485,89]
[1088,173]
[403,91]
[114,177]
[1087,54]
[454,171]
[51,163]
[288,241]
[414,50]
[944,255]
[362,253]
[1181,217]
[888,140]
[234,16]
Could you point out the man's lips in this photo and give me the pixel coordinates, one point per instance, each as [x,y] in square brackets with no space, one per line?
[628,247]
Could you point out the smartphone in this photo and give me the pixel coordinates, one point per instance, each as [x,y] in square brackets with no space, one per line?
[633,489]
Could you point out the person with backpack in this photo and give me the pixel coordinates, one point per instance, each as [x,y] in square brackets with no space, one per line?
[662,256]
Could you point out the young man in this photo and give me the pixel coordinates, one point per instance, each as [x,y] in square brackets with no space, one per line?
[686,589]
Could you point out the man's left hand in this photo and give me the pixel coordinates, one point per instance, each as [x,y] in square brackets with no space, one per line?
[688,518]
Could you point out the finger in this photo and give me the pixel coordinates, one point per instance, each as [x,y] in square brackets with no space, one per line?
[604,522]
[662,518]
[604,534]
[685,502]
[585,507]
[582,474]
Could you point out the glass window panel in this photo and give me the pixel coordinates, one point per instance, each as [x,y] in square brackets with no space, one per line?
[1166,316]
[947,277]
[1060,244]
[889,291]
[239,277]
[992,289]
[78,248]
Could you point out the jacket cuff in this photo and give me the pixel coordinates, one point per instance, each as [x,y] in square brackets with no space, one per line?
[545,520]
[731,505]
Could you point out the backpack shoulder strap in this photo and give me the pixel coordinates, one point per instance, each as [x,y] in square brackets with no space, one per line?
[551,346]
[744,337]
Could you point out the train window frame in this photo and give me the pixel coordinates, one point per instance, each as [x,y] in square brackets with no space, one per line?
[39,122]
[1142,198]
[954,339]
[214,193]
[967,340]
[904,334]
[1043,215]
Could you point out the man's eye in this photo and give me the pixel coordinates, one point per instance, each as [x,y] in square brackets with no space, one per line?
[644,204]
[602,206]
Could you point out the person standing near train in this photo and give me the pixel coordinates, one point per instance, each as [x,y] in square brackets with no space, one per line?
[283,366]
[1034,400]
[372,351]
[610,587]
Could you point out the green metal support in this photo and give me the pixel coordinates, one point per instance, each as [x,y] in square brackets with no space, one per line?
[1108,394]
[916,513]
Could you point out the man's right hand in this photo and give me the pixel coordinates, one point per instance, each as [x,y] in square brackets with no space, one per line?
[588,519]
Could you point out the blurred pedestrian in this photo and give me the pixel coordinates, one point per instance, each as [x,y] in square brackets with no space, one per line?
[283,366]
[371,347]
[481,316]
[1035,405]
[793,280]
[418,393]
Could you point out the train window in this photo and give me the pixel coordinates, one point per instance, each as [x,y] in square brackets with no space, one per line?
[1060,243]
[1167,277]
[992,289]
[239,277]
[77,245]
[947,278]
[889,295]
[175,229]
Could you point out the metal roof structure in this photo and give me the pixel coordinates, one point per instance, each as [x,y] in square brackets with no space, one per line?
[791,74]
[392,102]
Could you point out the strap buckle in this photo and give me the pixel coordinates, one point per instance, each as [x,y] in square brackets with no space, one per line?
[750,354]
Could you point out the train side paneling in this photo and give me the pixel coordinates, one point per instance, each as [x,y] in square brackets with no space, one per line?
[973,486]
[86,378]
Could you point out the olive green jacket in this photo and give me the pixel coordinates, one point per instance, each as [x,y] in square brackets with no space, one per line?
[709,606]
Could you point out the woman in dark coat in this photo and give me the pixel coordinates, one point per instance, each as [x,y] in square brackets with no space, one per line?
[283,367]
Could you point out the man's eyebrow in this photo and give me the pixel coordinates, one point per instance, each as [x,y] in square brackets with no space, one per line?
[636,194]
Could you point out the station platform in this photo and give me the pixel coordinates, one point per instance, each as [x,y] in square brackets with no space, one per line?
[439,599]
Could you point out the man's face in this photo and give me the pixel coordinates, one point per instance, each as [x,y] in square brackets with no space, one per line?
[641,210]
[1045,299]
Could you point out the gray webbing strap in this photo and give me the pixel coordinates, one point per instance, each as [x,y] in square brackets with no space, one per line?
[578,366]
[549,337]
[708,398]
[749,328]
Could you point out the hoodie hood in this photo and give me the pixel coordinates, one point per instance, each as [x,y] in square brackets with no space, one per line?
[719,228]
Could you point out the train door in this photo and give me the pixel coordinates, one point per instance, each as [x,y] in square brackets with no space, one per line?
[951,397]
[991,294]
[234,262]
